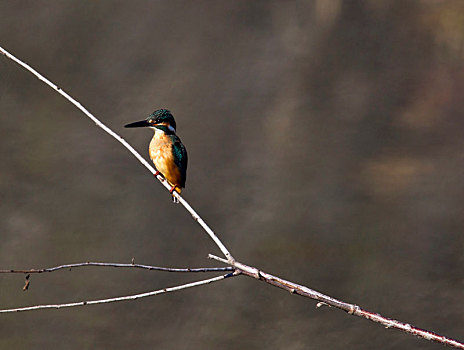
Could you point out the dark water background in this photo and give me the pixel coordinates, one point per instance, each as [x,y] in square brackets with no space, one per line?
[325,143]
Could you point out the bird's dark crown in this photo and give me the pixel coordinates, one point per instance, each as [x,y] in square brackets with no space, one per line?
[162,116]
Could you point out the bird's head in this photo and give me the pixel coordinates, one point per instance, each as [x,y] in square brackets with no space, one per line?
[161,119]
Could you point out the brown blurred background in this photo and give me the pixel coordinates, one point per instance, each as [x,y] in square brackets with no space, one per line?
[325,144]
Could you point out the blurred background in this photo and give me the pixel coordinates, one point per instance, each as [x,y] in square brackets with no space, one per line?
[325,143]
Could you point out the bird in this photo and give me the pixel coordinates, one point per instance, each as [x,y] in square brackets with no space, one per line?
[166,150]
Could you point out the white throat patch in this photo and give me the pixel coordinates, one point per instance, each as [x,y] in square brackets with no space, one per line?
[161,131]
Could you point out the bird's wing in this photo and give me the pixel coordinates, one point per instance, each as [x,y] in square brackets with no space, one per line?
[180,158]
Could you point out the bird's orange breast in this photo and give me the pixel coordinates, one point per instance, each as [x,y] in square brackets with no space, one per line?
[162,156]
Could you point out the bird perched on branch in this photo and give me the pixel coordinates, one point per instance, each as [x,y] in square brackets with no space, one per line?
[166,150]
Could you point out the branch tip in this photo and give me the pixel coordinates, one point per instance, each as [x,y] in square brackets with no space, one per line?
[321,304]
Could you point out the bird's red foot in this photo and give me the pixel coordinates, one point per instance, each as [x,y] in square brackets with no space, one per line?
[158,173]
[172,189]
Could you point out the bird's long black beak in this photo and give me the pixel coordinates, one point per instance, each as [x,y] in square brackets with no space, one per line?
[140,124]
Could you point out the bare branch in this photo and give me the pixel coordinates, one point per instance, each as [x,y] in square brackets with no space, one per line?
[352,309]
[123,298]
[118,138]
[138,266]
[239,267]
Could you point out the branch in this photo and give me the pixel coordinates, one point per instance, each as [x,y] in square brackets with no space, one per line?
[118,138]
[323,299]
[240,268]
[123,298]
[139,266]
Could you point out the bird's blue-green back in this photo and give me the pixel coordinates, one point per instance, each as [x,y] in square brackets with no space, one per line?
[180,157]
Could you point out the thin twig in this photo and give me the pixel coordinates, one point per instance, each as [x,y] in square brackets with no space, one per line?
[138,266]
[142,160]
[352,309]
[123,298]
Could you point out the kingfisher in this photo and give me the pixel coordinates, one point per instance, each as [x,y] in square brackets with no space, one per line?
[166,149]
